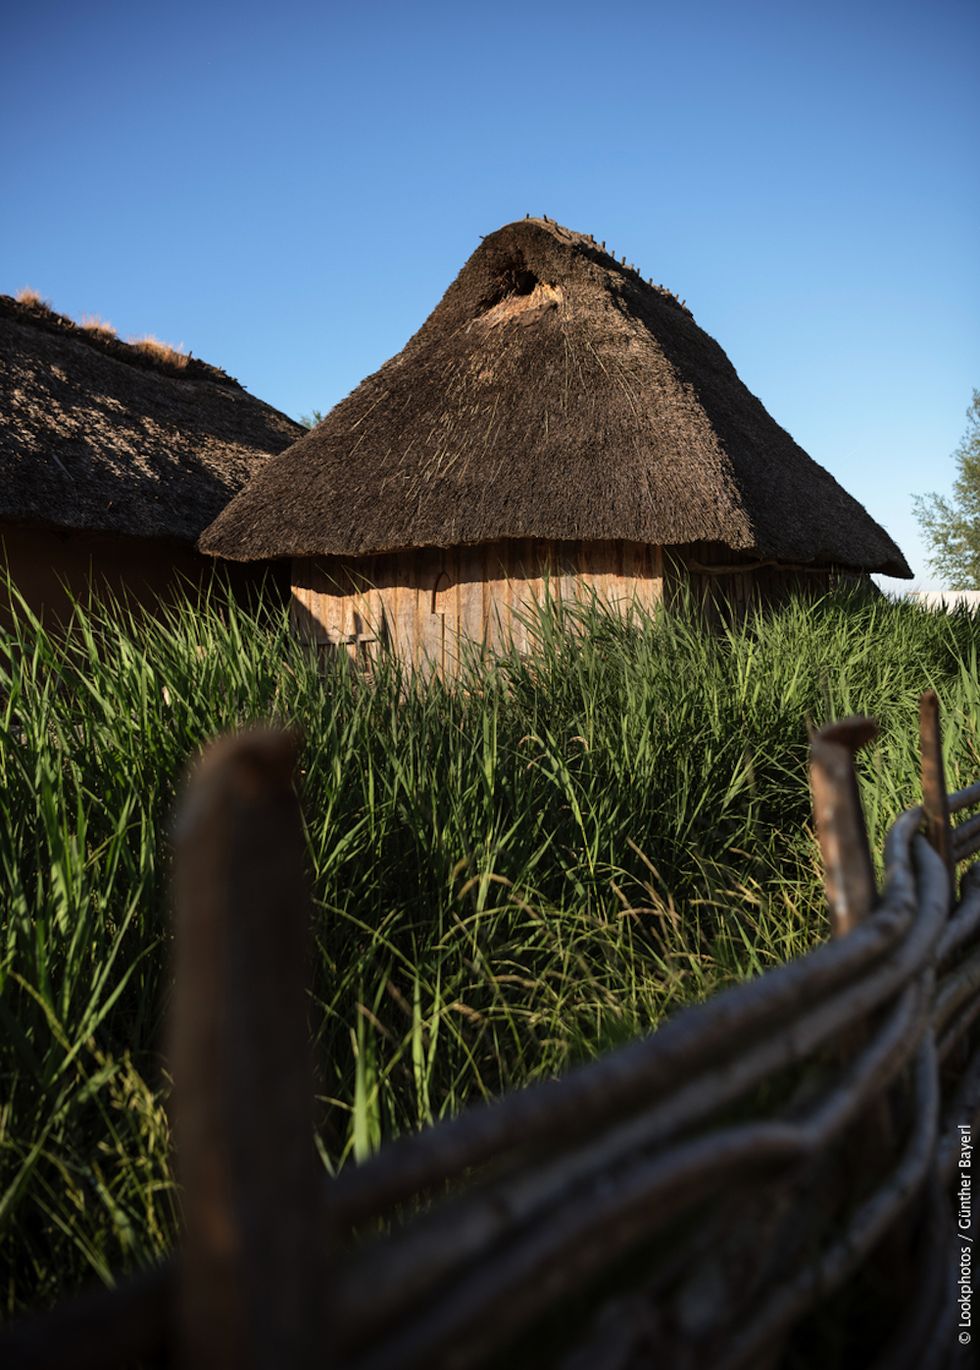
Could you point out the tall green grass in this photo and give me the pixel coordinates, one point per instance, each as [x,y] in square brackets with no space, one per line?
[511,873]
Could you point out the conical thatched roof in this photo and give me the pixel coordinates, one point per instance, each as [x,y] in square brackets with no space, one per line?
[553,394]
[111,437]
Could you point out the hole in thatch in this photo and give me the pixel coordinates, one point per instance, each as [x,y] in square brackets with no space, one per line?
[517,280]
[510,278]
[540,301]
[517,290]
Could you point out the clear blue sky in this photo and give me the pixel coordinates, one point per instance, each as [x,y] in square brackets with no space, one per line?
[287,189]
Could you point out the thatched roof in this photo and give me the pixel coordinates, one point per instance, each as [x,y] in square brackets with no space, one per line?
[105,436]
[552,393]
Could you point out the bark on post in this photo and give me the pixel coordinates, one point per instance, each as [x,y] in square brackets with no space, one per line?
[253,1267]
[848,869]
[851,892]
[935,799]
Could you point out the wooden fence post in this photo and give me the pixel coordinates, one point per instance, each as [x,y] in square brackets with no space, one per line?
[253,1269]
[851,892]
[848,869]
[935,799]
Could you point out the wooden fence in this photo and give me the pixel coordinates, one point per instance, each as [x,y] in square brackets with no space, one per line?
[770,1178]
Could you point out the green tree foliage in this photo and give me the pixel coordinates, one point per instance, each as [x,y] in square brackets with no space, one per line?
[311,420]
[952,526]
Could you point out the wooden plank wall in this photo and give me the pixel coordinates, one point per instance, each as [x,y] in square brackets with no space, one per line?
[423,602]
[730,594]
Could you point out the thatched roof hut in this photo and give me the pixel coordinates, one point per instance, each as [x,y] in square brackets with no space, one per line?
[114,456]
[554,411]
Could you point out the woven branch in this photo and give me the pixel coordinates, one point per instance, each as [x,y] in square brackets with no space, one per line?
[647,1154]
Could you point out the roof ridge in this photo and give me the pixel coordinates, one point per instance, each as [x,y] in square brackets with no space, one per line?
[40,315]
[602,256]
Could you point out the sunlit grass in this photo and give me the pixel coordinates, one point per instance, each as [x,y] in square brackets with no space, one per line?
[511,874]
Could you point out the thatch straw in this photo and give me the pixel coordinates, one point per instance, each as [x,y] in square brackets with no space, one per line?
[101,435]
[552,393]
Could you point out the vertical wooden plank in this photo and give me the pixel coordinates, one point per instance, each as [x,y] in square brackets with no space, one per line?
[402,609]
[470,620]
[581,577]
[453,641]
[587,576]
[521,578]
[545,553]
[389,609]
[504,627]
[622,585]
[415,611]
[615,593]
[653,575]
[492,602]
[430,625]
[443,610]
[362,625]
[515,596]
[498,594]
[630,581]
[300,613]
[254,1271]
[437,620]
[324,606]
[489,597]
[396,604]
[451,636]
[505,595]
[480,567]
[564,554]
[342,615]
[356,603]
[646,584]
[603,580]
[370,598]
[545,565]
[530,588]
[634,577]
[578,579]
[515,630]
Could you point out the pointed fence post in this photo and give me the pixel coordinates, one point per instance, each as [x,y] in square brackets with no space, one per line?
[253,1272]
[935,799]
[848,869]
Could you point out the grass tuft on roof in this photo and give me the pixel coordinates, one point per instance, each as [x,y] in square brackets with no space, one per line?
[27,295]
[161,351]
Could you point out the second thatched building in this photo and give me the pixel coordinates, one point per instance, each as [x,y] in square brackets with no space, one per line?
[559,420]
[114,457]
